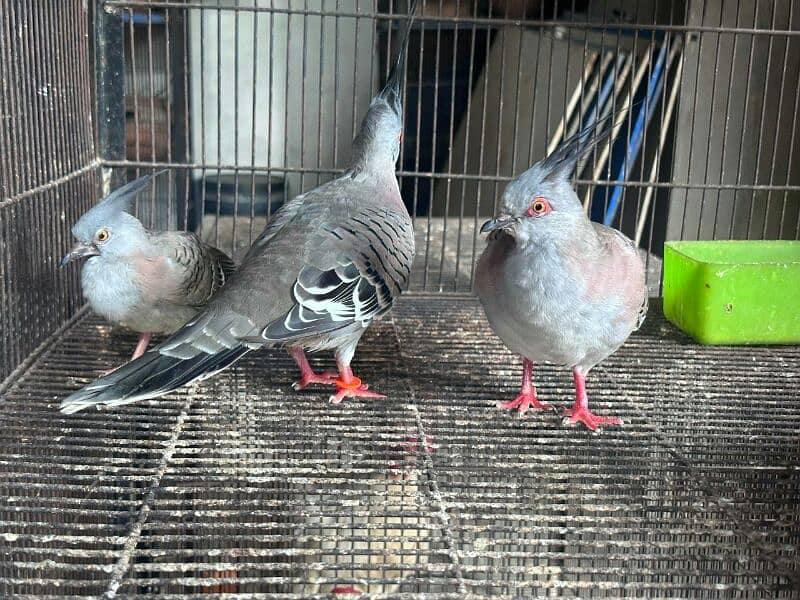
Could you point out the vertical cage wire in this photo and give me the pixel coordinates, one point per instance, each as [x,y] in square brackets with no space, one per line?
[714,170]
[270,112]
[238,487]
[47,169]
[232,487]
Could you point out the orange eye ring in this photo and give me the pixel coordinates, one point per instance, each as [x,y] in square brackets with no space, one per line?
[102,235]
[540,206]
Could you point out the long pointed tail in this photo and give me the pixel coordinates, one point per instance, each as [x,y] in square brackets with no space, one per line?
[150,376]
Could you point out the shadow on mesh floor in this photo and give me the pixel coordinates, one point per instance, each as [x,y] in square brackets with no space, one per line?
[240,485]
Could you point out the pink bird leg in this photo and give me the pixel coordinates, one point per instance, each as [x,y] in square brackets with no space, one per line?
[144,341]
[580,410]
[350,386]
[307,375]
[527,395]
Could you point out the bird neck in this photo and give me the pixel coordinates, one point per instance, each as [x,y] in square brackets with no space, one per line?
[574,235]
[373,164]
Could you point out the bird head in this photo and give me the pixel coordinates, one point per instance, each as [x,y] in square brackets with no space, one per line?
[533,208]
[378,140]
[109,229]
[380,134]
[541,203]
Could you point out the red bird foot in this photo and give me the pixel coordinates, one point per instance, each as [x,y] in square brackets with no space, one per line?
[580,410]
[141,347]
[307,375]
[352,388]
[326,378]
[523,402]
[581,414]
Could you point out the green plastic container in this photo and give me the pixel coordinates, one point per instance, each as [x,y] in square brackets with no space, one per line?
[734,292]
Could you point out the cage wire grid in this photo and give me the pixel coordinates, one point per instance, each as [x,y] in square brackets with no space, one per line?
[692,169]
[241,487]
[237,486]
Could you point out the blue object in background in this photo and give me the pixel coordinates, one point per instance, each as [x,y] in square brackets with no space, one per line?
[637,136]
[143,19]
[608,86]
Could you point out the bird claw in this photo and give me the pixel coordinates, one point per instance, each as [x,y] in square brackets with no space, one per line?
[523,402]
[588,418]
[326,378]
[353,390]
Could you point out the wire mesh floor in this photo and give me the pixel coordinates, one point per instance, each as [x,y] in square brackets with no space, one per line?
[241,487]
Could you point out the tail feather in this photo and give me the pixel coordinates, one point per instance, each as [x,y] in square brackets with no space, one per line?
[150,376]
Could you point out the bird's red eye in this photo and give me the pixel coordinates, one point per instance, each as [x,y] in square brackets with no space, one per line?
[538,207]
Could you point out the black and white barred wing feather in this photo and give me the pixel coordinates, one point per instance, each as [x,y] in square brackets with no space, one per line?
[340,277]
[372,269]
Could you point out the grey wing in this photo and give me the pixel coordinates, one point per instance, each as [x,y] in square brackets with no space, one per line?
[356,283]
[635,284]
[222,267]
[323,273]
[645,296]
[235,316]
[285,215]
[206,269]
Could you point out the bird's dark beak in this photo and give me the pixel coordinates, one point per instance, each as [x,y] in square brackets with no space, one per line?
[501,222]
[80,250]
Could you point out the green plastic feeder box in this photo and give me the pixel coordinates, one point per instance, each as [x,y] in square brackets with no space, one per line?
[734,292]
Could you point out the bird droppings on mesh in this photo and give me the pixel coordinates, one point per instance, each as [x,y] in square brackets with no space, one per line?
[271,490]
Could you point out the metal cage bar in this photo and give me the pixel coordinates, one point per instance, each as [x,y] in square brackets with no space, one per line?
[238,488]
[450,179]
[48,171]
